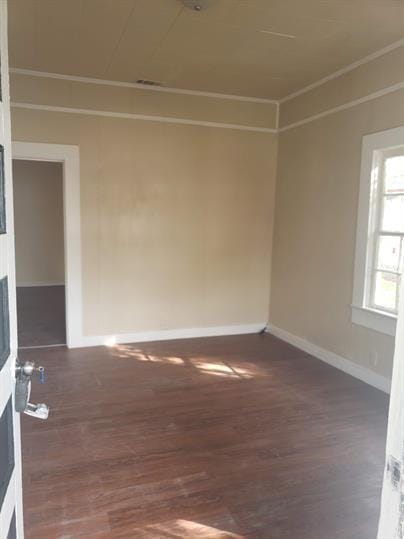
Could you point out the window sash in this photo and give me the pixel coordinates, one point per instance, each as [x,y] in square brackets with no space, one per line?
[378,306]
[382,203]
[383,234]
[378,232]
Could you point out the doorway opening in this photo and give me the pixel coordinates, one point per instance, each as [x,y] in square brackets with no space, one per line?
[39,252]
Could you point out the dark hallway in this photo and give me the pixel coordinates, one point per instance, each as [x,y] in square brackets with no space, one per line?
[41,316]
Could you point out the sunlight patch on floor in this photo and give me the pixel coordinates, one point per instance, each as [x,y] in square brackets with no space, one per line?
[184,529]
[221,369]
[205,366]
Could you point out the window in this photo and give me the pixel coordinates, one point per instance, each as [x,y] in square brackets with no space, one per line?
[379,261]
[388,239]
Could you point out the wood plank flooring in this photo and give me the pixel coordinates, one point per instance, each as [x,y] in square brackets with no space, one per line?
[41,315]
[226,437]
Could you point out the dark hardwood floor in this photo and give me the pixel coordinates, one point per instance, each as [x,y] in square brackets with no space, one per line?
[41,315]
[227,437]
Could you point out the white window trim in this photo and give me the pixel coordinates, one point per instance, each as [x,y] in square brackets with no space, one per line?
[361,314]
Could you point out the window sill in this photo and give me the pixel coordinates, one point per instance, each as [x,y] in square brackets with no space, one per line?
[376,320]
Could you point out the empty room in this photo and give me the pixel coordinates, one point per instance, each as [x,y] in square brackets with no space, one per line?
[201,258]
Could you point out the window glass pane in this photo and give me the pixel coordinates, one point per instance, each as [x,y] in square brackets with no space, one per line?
[385,292]
[394,174]
[393,213]
[389,253]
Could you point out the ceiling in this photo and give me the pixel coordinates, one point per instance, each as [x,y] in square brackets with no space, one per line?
[258,48]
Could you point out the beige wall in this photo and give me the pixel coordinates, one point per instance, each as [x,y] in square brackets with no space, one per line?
[176,220]
[315,221]
[38,211]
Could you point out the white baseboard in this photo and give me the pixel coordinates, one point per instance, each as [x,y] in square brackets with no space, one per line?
[166,335]
[31,285]
[358,371]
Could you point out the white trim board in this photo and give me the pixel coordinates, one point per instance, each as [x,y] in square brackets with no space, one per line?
[137,86]
[376,320]
[346,69]
[33,285]
[70,158]
[357,371]
[344,106]
[145,117]
[168,334]
[166,119]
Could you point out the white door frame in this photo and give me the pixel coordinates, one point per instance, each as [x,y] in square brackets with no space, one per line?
[69,156]
[13,495]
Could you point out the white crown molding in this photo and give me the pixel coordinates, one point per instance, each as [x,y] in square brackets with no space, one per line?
[215,95]
[277,117]
[104,82]
[145,117]
[350,104]
[354,369]
[346,69]
[166,335]
[168,119]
